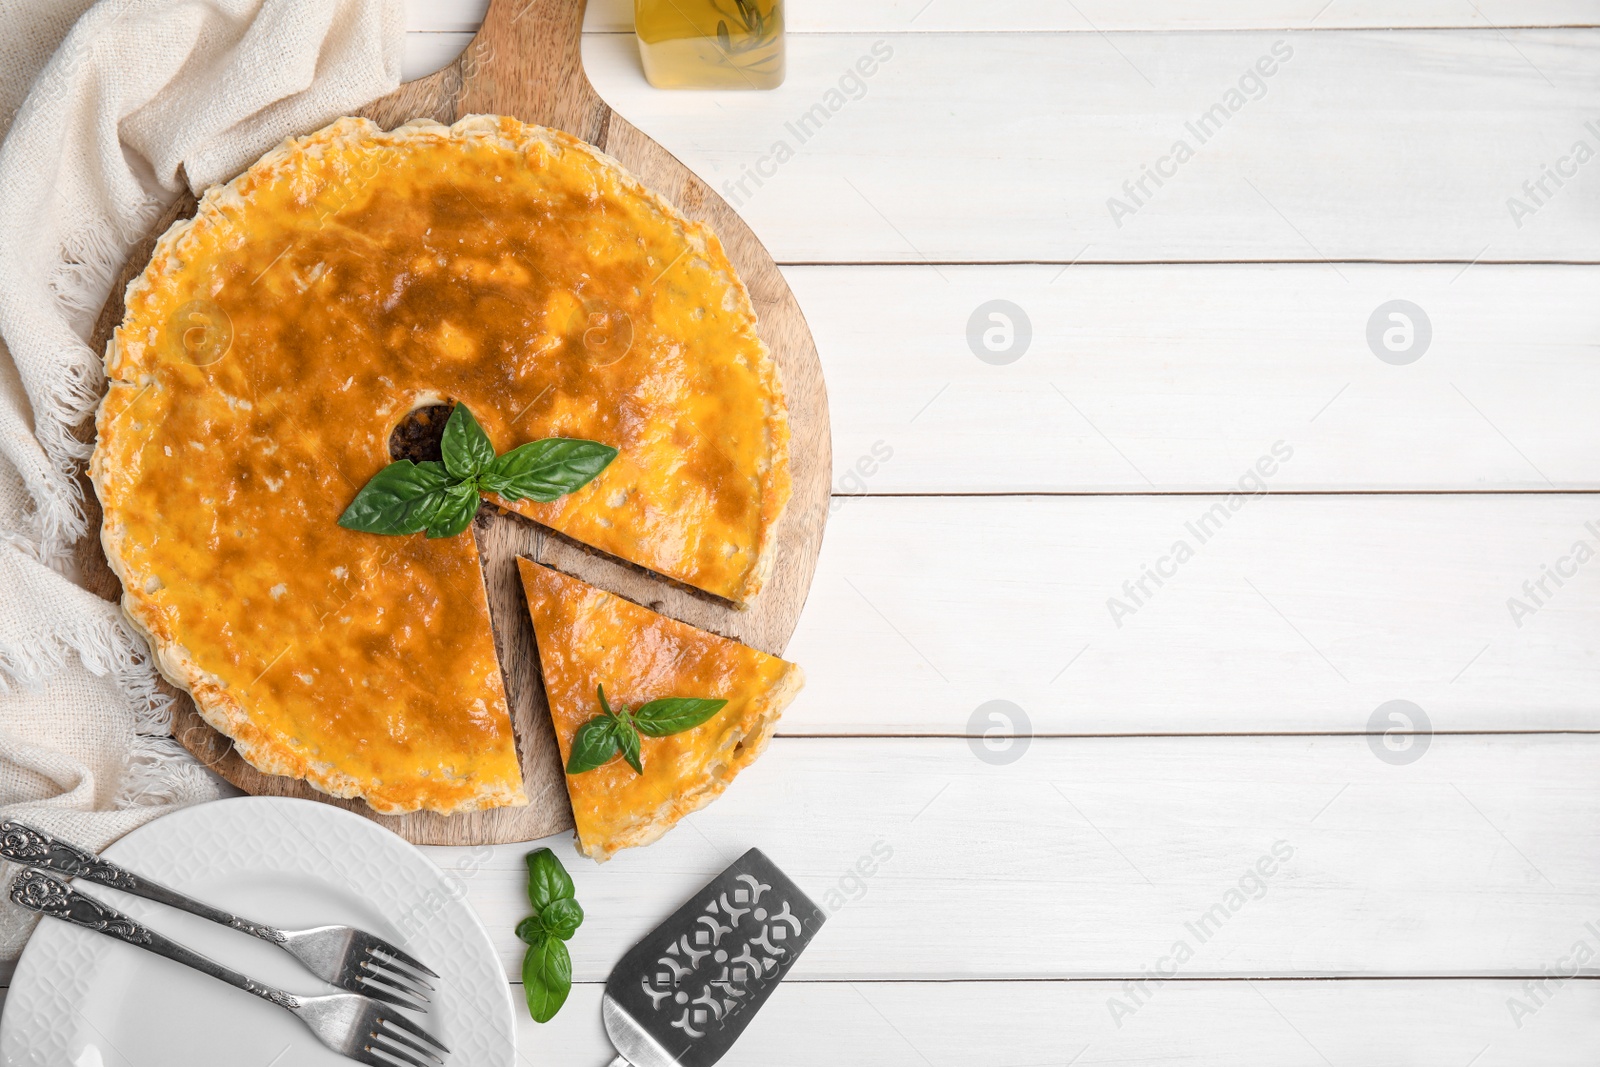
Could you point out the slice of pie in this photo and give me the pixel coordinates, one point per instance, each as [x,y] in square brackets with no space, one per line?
[590,638]
[276,340]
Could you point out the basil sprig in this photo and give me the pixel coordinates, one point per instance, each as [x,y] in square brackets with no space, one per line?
[441,498]
[547,967]
[604,737]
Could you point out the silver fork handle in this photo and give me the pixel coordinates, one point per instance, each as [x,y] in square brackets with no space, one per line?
[23,844]
[41,893]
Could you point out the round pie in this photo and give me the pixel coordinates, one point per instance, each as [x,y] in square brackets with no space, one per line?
[278,338]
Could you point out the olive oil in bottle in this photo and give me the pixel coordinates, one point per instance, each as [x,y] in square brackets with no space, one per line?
[711,44]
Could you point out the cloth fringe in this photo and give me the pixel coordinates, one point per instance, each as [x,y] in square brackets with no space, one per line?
[158,770]
[88,263]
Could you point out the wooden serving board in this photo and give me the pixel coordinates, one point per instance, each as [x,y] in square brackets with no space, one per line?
[526,62]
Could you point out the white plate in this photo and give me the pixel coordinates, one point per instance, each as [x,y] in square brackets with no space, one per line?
[80,999]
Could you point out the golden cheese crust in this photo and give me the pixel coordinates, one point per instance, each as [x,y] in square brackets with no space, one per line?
[588,637]
[274,341]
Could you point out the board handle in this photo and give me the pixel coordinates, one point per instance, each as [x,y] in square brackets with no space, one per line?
[527,62]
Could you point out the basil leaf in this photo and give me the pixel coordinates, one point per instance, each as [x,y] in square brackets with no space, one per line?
[547,881]
[561,918]
[442,498]
[400,499]
[456,512]
[547,967]
[628,742]
[466,448]
[673,715]
[594,745]
[546,978]
[531,930]
[546,470]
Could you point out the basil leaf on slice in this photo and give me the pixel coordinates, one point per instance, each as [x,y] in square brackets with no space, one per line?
[546,978]
[628,743]
[561,918]
[594,745]
[403,498]
[547,881]
[467,450]
[456,512]
[546,470]
[673,715]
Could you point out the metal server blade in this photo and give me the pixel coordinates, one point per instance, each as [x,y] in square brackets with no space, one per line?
[684,994]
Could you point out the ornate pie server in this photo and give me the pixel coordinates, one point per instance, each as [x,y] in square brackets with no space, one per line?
[351,1025]
[682,996]
[342,955]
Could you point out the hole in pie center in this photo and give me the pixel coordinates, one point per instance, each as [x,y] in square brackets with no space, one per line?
[417,436]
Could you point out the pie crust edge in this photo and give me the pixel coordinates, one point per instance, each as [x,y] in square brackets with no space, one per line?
[650,826]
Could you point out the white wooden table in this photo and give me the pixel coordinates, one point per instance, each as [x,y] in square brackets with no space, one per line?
[1206,793]
[1199,823]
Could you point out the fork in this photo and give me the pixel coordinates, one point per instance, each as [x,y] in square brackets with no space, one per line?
[341,955]
[348,1023]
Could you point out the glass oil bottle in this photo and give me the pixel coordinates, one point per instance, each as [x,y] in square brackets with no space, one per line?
[711,44]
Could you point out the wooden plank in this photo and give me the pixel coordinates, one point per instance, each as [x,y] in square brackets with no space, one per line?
[1176,378]
[1094,858]
[1296,613]
[1360,145]
[852,16]
[1182,1024]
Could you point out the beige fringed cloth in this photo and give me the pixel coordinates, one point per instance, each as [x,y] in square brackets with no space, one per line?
[107,111]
